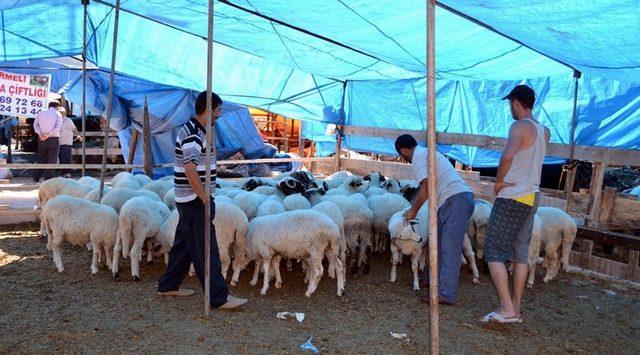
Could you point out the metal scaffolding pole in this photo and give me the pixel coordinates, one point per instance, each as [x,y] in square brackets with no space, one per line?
[211,148]
[431,163]
[84,86]
[110,99]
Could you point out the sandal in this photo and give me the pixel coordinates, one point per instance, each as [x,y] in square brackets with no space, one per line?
[495,317]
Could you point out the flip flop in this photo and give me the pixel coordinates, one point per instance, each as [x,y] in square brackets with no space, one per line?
[495,317]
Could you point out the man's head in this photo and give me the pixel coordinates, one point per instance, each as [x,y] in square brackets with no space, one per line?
[405,144]
[521,100]
[201,104]
[54,104]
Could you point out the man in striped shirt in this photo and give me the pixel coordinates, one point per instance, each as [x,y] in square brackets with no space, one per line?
[188,245]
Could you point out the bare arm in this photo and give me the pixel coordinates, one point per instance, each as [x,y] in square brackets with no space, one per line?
[506,160]
[423,196]
[191,171]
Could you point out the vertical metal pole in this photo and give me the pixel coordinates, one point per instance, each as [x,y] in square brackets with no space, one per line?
[84,86]
[207,187]
[431,163]
[146,140]
[570,177]
[110,99]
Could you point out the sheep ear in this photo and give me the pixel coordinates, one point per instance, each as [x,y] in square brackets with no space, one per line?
[290,184]
[367,177]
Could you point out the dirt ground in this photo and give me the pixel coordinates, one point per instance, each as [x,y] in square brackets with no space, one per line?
[43,311]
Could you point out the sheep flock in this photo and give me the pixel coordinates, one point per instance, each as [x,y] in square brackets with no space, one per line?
[343,219]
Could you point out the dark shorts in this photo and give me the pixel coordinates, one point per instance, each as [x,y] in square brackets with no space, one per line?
[509,231]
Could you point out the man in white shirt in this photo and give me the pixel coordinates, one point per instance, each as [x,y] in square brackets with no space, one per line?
[67,133]
[47,126]
[455,207]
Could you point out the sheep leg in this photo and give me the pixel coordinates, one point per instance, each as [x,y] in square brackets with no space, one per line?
[340,276]
[116,256]
[256,272]
[225,261]
[266,262]
[166,259]
[94,262]
[57,256]
[107,257]
[315,265]
[367,265]
[394,261]
[534,254]
[467,250]
[306,270]
[415,260]
[568,236]
[552,260]
[275,264]
[136,256]
[354,259]
[150,247]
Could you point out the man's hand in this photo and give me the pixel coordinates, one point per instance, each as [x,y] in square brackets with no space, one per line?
[410,214]
[499,185]
[44,137]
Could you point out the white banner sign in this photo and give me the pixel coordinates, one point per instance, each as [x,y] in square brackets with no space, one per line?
[23,94]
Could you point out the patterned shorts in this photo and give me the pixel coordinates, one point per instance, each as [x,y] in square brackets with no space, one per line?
[509,231]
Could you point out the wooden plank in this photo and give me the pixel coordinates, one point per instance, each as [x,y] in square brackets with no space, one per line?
[610,155]
[96,151]
[585,253]
[132,147]
[634,269]
[101,134]
[609,238]
[606,205]
[595,191]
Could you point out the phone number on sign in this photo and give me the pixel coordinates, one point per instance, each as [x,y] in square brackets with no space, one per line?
[19,106]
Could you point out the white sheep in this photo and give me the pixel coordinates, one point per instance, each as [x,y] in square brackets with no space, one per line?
[231,227]
[61,186]
[383,207]
[478,223]
[249,202]
[126,183]
[296,202]
[557,233]
[333,211]
[409,239]
[375,179]
[301,234]
[355,184]
[358,219]
[391,185]
[140,220]
[79,221]
[121,176]
[233,192]
[270,206]
[89,181]
[159,187]
[265,190]
[94,195]
[118,196]
[534,249]
[336,179]
[170,199]
[144,179]
[374,191]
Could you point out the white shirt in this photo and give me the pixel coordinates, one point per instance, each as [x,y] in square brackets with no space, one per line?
[448,181]
[67,131]
[48,122]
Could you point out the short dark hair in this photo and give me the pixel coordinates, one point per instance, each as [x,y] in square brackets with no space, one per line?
[405,141]
[523,94]
[201,102]
[54,104]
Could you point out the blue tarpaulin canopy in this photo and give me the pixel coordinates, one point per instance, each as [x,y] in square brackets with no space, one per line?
[355,62]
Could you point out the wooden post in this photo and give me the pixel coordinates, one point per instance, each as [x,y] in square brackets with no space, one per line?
[110,99]
[210,146]
[585,253]
[84,85]
[431,163]
[571,174]
[300,141]
[606,206]
[132,147]
[595,191]
[634,255]
[146,140]
[339,128]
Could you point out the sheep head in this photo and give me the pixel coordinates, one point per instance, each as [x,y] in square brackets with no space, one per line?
[290,186]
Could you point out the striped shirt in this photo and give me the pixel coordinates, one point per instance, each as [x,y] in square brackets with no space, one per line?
[191,145]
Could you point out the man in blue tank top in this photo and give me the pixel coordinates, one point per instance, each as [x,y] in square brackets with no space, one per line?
[517,192]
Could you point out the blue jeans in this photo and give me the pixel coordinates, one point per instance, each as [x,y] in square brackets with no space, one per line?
[188,247]
[453,218]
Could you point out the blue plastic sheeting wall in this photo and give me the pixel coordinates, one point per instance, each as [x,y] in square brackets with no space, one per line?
[292,57]
[608,112]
